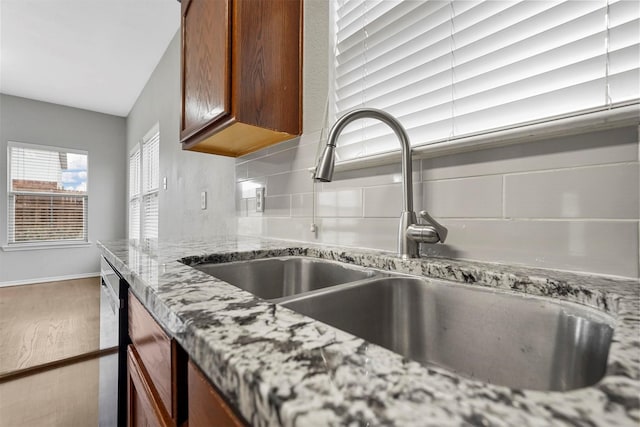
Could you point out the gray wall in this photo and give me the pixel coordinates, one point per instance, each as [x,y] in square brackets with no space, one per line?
[188,173]
[103,136]
[568,203]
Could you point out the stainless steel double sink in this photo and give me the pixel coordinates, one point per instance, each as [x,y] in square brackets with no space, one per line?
[501,337]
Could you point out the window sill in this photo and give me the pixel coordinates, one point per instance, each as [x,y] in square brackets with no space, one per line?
[623,116]
[43,246]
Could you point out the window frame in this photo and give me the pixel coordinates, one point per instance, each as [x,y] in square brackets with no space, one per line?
[44,244]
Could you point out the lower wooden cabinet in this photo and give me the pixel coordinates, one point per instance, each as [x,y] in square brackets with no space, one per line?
[157,372]
[206,406]
[164,388]
[144,405]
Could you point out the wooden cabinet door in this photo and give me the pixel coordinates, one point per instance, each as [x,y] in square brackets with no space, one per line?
[144,406]
[206,406]
[241,74]
[156,351]
[266,58]
[206,64]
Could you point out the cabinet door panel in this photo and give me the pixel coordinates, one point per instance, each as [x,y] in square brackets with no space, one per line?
[144,408]
[206,406]
[154,349]
[267,52]
[206,84]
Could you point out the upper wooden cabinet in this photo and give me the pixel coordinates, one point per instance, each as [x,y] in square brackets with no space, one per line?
[241,74]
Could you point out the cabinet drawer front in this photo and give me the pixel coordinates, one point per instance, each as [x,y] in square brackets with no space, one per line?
[206,406]
[144,409]
[155,350]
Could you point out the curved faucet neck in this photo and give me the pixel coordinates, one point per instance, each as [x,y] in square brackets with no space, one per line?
[401,134]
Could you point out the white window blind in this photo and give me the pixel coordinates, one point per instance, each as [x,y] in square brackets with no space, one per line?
[151,163]
[144,173]
[150,218]
[47,197]
[150,178]
[134,195]
[450,69]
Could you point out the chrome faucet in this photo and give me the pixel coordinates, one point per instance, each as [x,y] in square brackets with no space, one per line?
[410,233]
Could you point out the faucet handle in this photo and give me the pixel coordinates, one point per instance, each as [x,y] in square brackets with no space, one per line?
[440,229]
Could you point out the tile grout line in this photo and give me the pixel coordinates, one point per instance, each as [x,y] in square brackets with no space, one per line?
[536,171]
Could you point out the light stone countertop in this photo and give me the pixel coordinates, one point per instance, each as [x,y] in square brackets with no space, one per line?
[279,367]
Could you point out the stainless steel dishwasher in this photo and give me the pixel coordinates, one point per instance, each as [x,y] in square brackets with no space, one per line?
[113,333]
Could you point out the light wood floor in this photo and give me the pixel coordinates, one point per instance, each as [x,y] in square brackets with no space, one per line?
[46,322]
[60,397]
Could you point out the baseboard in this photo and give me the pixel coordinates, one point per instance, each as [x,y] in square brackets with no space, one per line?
[48,279]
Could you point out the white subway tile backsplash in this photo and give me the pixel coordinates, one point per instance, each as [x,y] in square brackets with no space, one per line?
[299,157]
[241,206]
[605,247]
[284,145]
[242,172]
[341,203]
[251,208]
[369,177]
[568,203]
[386,201]
[271,164]
[251,226]
[313,138]
[608,146]
[250,156]
[464,198]
[290,183]
[281,228]
[593,192]
[302,204]
[289,228]
[375,233]
[247,189]
[277,206]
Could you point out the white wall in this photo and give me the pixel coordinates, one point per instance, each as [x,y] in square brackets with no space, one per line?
[103,136]
[568,203]
[188,173]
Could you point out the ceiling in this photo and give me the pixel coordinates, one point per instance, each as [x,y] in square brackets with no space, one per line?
[90,54]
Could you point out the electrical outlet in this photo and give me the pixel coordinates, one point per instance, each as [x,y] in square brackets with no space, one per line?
[164,183]
[203,200]
[260,199]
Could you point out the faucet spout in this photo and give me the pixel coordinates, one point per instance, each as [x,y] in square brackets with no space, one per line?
[410,233]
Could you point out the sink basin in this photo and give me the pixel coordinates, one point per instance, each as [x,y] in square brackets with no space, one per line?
[274,278]
[495,336]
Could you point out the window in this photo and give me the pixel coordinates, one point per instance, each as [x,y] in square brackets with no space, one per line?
[47,195]
[454,69]
[144,169]
[134,195]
